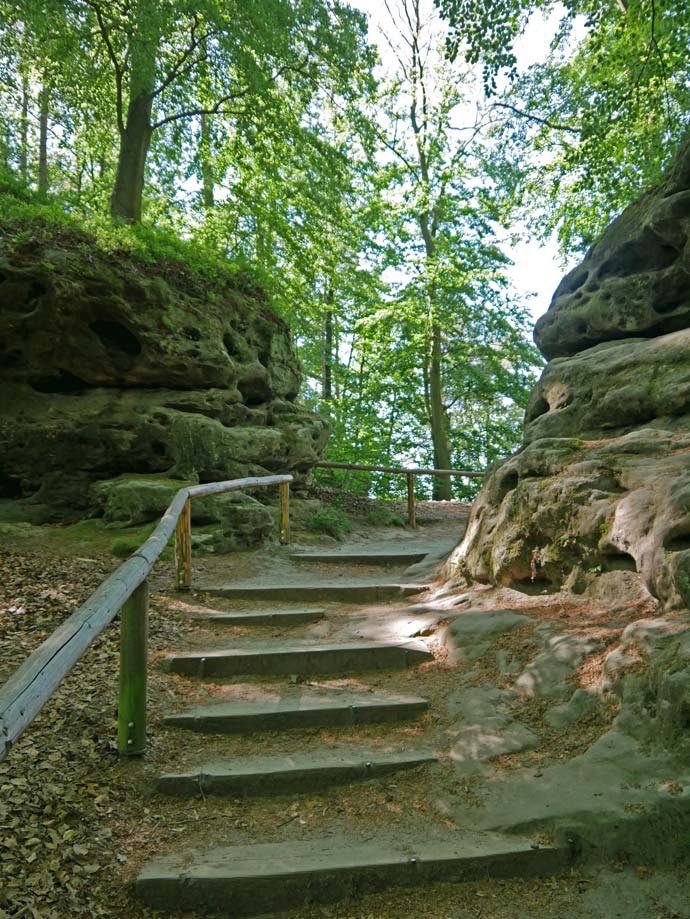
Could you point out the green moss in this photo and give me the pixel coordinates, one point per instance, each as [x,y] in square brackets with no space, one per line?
[382,517]
[125,545]
[160,249]
[330,521]
[85,537]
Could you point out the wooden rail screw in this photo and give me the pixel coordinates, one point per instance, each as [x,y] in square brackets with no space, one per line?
[183,548]
[131,719]
[284,488]
[411,508]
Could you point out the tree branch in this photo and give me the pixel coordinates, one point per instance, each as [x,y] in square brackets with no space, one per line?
[102,28]
[216,109]
[176,69]
[547,122]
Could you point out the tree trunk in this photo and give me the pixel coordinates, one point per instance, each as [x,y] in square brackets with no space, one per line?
[439,419]
[131,163]
[44,106]
[207,183]
[327,381]
[135,132]
[24,131]
[438,416]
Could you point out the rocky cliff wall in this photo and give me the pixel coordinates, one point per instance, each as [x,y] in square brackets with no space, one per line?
[597,500]
[110,366]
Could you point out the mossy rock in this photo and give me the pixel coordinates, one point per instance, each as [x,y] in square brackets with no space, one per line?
[232,520]
[129,501]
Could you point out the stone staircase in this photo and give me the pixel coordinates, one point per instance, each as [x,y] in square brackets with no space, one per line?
[262,877]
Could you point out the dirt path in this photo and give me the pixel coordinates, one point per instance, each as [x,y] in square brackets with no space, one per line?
[77,823]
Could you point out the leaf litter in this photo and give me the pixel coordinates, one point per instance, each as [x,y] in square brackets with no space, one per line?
[77,822]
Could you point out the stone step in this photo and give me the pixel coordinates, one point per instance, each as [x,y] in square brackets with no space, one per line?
[256,879]
[278,617]
[345,591]
[278,658]
[277,775]
[389,557]
[299,711]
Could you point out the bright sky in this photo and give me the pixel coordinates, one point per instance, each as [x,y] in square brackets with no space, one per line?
[536,269]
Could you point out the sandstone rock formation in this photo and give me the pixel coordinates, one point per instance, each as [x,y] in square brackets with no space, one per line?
[111,366]
[597,500]
[635,281]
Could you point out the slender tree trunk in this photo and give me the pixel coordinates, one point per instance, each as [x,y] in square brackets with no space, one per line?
[131,163]
[44,110]
[327,380]
[135,133]
[207,183]
[24,131]
[438,414]
[428,225]
[439,418]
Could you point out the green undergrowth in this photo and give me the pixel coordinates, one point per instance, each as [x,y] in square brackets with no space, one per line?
[330,521]
[383,517]
[86,536]
[24,217]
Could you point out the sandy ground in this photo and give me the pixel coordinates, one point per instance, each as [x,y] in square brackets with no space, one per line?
[77,822]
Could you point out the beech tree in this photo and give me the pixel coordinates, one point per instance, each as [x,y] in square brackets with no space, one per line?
[587,130]
[443,219]
[363,213]
[177,63]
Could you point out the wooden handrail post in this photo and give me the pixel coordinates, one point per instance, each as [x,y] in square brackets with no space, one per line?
[411,509]
[284,488]
[183,548]
[131,717]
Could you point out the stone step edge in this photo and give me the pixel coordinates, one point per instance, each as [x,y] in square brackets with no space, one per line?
[365,558]
[322,712]
[282,659]
[325,591]
[282,773]
[258,617]
[267,877]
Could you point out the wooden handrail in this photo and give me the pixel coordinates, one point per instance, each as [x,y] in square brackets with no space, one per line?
[33,683]
[409,473]
[397,470]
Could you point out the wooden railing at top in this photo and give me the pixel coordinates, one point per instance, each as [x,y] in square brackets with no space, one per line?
[125,591]
[410,473]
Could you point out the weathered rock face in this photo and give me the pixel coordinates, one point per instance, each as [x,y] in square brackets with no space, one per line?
[597,501]
[635,282]
[109,366]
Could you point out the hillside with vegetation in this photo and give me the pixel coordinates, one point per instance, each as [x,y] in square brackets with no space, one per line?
[244,239]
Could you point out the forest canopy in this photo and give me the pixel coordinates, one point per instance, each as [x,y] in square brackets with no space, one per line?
[371,182]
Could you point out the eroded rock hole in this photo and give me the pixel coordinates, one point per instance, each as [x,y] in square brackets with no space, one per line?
[10,359]
[680,207]
[116,337]
[64,382]
[619,561]
[538,408]
[669,304]
[540,585]
[20,297]
[677,542]
[575,283]
[648,253]
[231,347]
[508,483]
[10,487]
[192,334]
